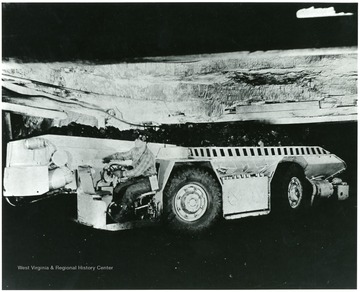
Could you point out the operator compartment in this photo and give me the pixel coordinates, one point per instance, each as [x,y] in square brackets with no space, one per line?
[49,163]
[95,198]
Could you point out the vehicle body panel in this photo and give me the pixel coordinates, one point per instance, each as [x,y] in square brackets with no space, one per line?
[243,173]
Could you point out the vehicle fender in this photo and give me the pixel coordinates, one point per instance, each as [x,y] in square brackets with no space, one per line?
[325,166]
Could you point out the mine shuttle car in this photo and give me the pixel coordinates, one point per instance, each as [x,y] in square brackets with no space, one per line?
[195,186]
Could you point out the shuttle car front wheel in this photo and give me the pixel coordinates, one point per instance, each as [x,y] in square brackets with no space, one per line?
[192,200]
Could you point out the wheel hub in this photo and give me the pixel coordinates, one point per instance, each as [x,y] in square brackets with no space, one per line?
[191,202]
[295,192]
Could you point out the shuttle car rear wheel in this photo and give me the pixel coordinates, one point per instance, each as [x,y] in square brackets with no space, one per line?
[291,191]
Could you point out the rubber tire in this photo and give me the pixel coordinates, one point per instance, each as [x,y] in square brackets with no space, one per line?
[213,192]
[279,191]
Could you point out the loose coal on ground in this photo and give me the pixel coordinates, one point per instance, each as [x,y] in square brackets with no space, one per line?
[315,250]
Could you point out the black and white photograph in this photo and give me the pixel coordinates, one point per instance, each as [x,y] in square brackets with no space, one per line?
[185,145]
